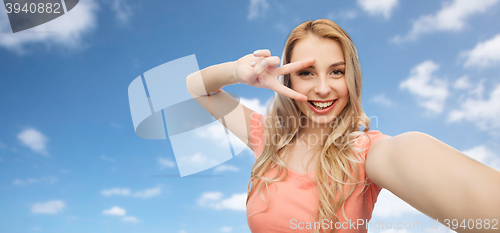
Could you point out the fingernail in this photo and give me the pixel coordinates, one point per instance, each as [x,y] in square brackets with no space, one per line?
[263,62]
[253,63]
[256,53]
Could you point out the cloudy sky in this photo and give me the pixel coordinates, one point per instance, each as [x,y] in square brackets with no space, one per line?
[70,160]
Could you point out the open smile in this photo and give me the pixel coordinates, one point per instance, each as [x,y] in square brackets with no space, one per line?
[322,106]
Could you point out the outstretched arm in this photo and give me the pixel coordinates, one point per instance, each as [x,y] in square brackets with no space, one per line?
[436,179]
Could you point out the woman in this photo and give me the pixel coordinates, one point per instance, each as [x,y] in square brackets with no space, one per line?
[318,166]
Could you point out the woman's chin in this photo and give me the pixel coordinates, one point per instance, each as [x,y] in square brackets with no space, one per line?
[321,120]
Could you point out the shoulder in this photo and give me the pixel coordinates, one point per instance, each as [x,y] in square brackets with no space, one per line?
[366,141]
[389,144]
[381,156]
[257,125]
[257,119]
[257,133]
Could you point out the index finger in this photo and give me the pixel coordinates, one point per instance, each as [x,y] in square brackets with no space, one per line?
[291,67]
[286,91]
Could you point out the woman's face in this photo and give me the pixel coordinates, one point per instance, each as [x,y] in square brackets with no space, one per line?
[323,82]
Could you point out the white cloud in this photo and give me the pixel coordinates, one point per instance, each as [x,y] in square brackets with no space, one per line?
[392,206]
[215,133]
[223,168]
[67,30]
[147,193]
[382,100]
[379,7]
[257,9]
[47,179]
[122,10]
[130,219]
[254,104]
[483,112]
[451,17]
[116,192]
[485,54]
[214,200]
[166,163]
[115,210]
[462,83]
[212,132]
[429,91]
[118,211]
[484,155]
[34,139]
[50,207]
[226,229]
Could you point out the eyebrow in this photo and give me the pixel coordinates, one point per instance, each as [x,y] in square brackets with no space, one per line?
[332,65]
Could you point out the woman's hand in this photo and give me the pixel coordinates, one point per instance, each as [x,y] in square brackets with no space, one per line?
[259,70]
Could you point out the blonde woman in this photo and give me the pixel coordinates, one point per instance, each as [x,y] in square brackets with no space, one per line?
[319,167]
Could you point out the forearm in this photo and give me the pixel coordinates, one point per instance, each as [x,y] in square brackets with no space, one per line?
[210,79]
[444,183]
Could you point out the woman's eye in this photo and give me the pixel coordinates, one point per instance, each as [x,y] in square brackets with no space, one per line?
[337,73]
[304,73]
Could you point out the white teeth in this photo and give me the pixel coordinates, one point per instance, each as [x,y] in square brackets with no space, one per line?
[322,105]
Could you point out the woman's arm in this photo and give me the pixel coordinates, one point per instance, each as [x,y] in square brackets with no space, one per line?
[205,86]
[258,70]
[436,179]
[211,79]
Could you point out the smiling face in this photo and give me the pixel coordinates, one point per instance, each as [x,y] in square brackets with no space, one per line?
[324,82]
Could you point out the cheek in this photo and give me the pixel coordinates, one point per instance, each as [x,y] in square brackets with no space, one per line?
[342,90]
[297,85]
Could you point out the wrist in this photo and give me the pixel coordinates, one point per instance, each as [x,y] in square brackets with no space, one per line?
[232,72]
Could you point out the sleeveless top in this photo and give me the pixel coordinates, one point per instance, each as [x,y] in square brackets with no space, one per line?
[294,199]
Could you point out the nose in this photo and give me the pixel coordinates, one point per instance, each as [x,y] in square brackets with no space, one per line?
[322,88]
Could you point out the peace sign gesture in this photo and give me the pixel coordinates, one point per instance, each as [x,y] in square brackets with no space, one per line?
[259,70]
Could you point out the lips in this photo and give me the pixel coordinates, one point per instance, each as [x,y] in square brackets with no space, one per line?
[322,106]
[322,101]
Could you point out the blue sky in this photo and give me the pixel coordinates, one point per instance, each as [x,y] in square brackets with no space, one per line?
[70,160]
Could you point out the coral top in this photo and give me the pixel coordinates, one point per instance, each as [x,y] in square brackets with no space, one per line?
[295,199]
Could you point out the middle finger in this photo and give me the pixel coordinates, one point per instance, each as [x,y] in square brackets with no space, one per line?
[292,67]
[262,53]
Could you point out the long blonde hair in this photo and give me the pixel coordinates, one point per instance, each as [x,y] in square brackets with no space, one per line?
[337,170]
